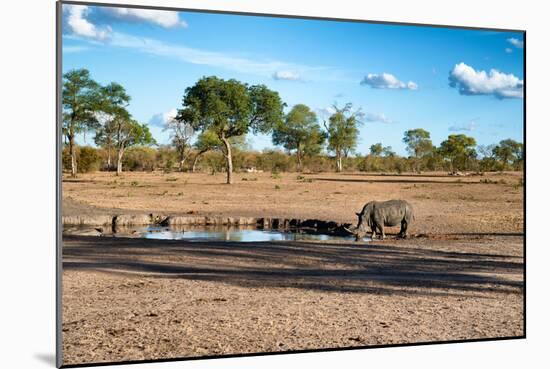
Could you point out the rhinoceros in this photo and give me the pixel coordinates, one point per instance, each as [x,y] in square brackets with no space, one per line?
[377,214]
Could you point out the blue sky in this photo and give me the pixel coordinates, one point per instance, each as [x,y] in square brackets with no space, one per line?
[402,77]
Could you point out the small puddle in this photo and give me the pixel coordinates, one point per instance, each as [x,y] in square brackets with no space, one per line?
[190,233]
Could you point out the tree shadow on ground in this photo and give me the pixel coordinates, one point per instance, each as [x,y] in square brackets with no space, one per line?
[387,180]
[330,267]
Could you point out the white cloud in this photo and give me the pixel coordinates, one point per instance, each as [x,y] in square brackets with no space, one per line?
[160,119]
[286,75]
[74,49]
[471,126]
[80,26]
[325,113]
[205,57]
[163,18]
[83,29]
[515,42]
[387,80]
[468,81]
[508,50]
[377,117]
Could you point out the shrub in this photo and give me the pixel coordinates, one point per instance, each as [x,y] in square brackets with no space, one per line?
[139,158]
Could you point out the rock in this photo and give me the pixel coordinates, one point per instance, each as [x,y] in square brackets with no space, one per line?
[130,220]
[94,220]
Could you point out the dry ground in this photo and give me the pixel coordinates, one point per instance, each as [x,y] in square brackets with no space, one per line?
[443,204]
[133,299]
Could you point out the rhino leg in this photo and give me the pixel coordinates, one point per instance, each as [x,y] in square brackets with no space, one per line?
[381,229]
[404,226]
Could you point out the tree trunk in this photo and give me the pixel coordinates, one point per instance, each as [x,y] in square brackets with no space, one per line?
[109,159]
[182,158]
[338,162]
[228,160]
[72,150]
[299,157]
[119,162]
[196,160]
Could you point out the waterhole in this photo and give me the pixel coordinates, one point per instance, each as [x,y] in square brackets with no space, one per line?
[202,233]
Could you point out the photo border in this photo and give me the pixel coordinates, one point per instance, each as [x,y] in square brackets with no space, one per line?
[59,177]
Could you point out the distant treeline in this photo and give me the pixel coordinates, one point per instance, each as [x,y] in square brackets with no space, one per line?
[165,158]
[220,113]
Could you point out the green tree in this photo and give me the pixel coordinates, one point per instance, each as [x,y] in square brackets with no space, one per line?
[508,151]
[209,141]
[418,144]
[459,149]
[388,152]
[343,131]
[299,132]
[377,149]
[229,109]
[113,102]
[80,98]
[126,132]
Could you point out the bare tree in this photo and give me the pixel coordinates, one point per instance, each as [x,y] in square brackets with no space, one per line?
[180,133]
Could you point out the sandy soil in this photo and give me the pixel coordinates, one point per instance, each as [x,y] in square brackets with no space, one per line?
[133,299]
[443,204]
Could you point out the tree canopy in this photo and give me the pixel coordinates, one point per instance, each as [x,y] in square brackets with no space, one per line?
[229,108]
[299,133]
[508,151]
[81,100]
[458,149]
[343,131]
[418,142]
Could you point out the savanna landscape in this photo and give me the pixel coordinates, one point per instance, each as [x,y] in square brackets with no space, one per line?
[129,293]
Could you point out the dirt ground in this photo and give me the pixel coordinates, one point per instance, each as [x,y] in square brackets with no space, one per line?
[492,203]
[461,277]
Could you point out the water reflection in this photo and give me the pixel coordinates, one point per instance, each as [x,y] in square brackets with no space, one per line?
[201,233]
[232,234]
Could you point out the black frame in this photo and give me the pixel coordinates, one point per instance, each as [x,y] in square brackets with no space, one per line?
[59,172]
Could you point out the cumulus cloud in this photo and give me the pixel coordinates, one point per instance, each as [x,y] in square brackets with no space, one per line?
[80,26]
[163,18]
[387,80]
[377,117]
[286,75]
[515,42]
[160,119]
[79,23]
[468,81]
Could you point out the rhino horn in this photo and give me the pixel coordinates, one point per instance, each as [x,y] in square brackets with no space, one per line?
[352,229]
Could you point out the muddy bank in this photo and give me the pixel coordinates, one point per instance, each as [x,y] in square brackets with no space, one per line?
[129,220]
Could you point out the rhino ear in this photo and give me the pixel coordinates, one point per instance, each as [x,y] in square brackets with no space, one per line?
[358,214]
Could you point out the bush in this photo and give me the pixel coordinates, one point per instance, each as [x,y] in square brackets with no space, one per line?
[139,158]
[89,160]
[166,158]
